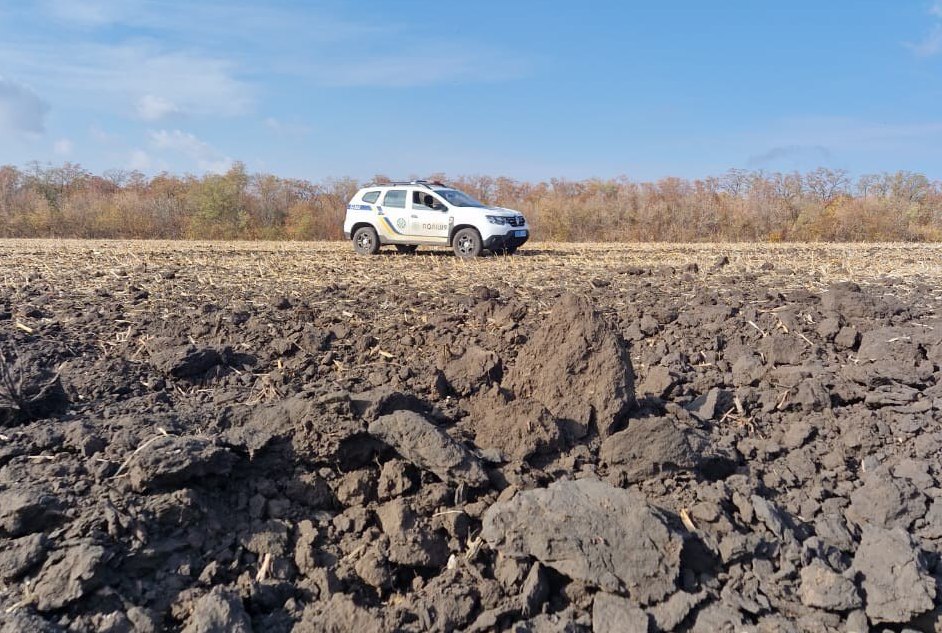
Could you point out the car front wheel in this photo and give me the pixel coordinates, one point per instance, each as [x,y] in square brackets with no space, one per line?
[467,243]
[365,241]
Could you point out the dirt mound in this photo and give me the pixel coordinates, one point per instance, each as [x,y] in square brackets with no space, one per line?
[590,531]
[894,576]
[218,611]
[185,361]
[517,429]
[658,445]
[231,456]
[823,588]
[27,509]
[577,366]
[474,369]
[428,447]
[169,462]
[848,300]
[21,555]
[69,574]
[412,542]
[340,615]
[886,501]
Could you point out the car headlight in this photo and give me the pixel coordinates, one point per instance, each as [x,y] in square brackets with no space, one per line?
[496,219]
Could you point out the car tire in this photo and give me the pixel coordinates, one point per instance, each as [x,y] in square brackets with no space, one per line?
[467,243]
[406,249]
[366,241]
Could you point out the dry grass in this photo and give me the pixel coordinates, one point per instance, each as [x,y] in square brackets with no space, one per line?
[395,295]
[265,270]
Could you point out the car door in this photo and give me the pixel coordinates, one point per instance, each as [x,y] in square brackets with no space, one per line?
[431,223]
[394,217]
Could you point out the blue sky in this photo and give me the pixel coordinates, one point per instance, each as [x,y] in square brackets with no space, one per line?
[526,89]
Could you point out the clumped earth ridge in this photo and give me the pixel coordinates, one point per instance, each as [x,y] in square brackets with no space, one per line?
[257,437]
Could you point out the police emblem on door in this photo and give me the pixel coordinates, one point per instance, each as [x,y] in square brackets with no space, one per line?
[401,223]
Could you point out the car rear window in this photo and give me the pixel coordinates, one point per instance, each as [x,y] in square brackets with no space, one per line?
[395,198]
[371,196]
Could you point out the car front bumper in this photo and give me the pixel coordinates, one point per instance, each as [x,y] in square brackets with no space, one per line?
[508,240]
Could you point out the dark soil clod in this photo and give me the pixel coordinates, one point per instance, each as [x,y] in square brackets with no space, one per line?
[243,437]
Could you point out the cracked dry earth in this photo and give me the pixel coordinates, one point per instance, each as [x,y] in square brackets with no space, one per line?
[285,437]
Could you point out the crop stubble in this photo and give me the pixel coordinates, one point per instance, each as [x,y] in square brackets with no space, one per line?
[286,435]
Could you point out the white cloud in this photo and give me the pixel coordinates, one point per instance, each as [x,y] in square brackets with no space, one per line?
[140,160]
[435,65]
[193,82]
[21,110]
[203,155]
[100,135]
[181,141]
[930,45]
[90,12]
[63,147]
[212,21]
[185,65]
[206,59]
[150,64]
[153,108]
[190,82]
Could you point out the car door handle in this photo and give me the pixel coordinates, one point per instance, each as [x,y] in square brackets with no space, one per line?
[414,215]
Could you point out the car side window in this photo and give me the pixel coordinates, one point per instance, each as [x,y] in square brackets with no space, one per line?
[424,201]
[371,197]
[395,198]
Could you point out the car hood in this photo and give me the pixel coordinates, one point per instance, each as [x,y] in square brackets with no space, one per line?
[499,211]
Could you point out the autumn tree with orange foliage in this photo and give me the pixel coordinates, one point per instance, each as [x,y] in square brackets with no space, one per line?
[821,205]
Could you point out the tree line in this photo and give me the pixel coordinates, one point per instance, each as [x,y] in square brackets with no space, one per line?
[820,205]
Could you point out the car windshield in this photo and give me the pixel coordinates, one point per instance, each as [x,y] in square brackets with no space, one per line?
[459,198]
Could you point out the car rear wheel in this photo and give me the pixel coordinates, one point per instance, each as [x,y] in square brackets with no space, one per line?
[406,248]
[467,243]
[365,241]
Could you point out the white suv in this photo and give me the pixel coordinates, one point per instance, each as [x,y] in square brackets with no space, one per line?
[410,214]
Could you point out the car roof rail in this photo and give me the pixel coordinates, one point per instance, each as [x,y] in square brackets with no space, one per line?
[399,183]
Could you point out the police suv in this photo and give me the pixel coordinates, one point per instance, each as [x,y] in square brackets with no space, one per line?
[423,213]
